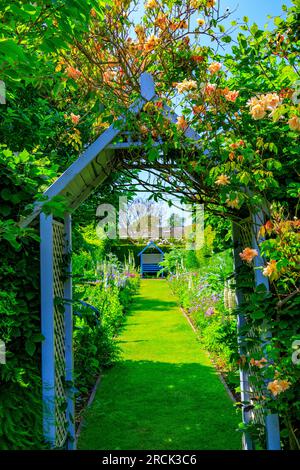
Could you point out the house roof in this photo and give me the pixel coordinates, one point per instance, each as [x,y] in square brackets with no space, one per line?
[93,166]
[147,246]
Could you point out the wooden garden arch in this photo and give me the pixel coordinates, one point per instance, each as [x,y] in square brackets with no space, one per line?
[75,185]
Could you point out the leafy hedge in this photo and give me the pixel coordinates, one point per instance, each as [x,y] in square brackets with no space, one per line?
[95,344]
[20,426]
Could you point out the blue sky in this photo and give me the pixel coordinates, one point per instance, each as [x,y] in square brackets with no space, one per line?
[256,10]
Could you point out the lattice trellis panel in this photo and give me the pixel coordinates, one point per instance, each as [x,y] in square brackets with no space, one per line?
[246,240]
[59,334]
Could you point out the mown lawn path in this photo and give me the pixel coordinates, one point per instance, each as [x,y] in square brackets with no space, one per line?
[164,393]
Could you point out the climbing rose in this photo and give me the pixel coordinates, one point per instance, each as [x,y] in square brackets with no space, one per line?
[151,4]
[201,22]
[248,254]
[259,106]
[151,43]
[73,73]
[294,123]
[271,100]
[231,95]
[278,386]
[258,363]
[236,145]
[197,58]
[181,123]
[258,112]
[209,88]
[222,180]
[214,67]
[186,85]
[195,3]
[198,109]
[161,21]
[75,118]
[270,269]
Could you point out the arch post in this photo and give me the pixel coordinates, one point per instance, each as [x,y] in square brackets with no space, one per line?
[70,410]
[271,420]
[244,374]
[47,328]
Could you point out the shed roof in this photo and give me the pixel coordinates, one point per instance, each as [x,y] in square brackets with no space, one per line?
[151,243]
[93,166]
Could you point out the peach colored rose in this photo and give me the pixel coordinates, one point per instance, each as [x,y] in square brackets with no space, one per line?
[248,254]
[75,118]
[260,363]
[181,123]
[233,203]
[294,123]
[270,269]
[258,111]
[186,85]
[222,180]
[278,386]
[151,43]
[214,67]
[231,95]
[209,88]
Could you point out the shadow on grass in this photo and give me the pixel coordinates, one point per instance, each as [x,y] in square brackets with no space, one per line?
[155,405]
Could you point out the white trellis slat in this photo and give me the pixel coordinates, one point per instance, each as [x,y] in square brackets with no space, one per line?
[69,335]
[271,419]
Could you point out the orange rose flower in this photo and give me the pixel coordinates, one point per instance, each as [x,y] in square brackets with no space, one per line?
[248,254]
[181,123]
[222,180]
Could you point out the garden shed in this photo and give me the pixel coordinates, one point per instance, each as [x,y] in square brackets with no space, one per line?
[150,262]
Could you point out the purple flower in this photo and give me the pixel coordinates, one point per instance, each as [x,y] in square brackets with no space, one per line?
[215,297]
[209,312]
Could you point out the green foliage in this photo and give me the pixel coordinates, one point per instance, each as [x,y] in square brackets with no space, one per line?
[201,294]
[95,344]
[22,174]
